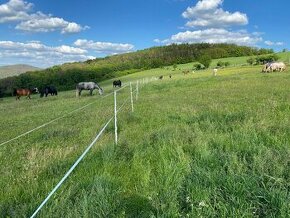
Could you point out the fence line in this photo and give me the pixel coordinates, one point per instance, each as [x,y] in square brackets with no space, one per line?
[71,169]
[121,88]
[131,94]
[115,117]
[86,151]
[52,121]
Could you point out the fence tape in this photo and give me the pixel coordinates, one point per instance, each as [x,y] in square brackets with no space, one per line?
[71,169]
[52,121]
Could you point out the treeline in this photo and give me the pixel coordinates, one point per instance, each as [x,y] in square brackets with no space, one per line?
[66,76]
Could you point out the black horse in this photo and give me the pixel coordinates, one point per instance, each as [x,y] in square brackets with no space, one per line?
[117,83]
[48,90]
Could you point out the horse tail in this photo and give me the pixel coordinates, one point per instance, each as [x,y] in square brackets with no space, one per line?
[14,92]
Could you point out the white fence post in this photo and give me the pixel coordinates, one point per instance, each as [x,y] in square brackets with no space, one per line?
[137,90]
[115,112]
[131,97]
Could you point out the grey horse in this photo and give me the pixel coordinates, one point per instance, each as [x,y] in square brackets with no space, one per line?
[88,86]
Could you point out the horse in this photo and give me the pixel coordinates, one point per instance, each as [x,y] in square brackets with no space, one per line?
[214,71]
[160,77]
[88,86]
[274,66]
[170,76]
[24,92]
[48,90]
[117,83]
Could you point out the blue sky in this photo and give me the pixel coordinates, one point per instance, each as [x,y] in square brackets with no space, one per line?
[49,32]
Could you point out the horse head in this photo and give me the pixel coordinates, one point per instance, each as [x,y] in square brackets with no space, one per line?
[35,90]
[101,91]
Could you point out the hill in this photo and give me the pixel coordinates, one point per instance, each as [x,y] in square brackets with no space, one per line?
[195,146]
[67,75]
[15,70]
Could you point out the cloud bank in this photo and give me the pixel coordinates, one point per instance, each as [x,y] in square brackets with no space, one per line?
[21,12]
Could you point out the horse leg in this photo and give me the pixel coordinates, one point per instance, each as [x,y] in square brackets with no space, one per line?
[91,91]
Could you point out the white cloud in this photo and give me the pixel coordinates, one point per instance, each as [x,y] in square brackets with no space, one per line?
[18,11]
[213,36]
[14,10]
[270,43]
[104,47]
[38,54]
[208,13]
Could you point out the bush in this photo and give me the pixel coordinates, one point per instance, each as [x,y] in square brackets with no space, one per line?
[266,59]
[197,66]
[205,60]
[251,61]
[174,66]
[223,64]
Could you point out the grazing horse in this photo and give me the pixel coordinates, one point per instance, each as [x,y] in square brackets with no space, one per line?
[24,92]
[88,86]
[117,83]
[48,90]
[274,66]
[186,72]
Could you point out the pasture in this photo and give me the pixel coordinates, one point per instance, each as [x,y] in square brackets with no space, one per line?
[196,145]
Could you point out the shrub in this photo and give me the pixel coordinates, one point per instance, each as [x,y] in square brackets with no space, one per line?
[251,61]
[197,66]
[205,60]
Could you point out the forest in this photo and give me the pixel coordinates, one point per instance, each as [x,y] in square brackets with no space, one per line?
[65,76]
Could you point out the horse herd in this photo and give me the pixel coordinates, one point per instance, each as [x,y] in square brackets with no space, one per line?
[273,67]
[91,86]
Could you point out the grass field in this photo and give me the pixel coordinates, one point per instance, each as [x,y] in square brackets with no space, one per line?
[196,146]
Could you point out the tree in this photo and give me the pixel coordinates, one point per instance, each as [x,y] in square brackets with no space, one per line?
[205,60]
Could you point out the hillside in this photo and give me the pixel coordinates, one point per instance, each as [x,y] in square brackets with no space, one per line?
[67,75]
[15,70]
[195,146]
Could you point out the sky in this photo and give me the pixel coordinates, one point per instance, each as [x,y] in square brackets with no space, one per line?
[44,33]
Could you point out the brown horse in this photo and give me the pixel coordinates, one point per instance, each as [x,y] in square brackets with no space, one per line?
[24,92]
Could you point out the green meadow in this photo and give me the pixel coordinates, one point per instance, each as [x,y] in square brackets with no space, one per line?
[195,146]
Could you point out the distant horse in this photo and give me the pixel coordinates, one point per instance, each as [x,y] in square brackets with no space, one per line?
[88,86]
[24,92]
[117,83]
[170,76]
[48,90]
[160,77]
[186,72]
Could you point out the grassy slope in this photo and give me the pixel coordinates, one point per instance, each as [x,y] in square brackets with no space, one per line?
[196,145]
[14,70]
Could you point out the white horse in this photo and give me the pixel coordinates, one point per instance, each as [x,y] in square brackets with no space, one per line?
[88,86]
[275,66]
[278,66]
[214,72]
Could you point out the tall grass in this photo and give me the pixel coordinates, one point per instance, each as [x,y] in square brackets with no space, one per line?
[196,146]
